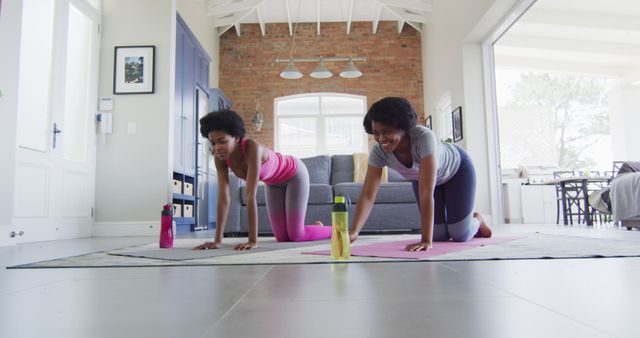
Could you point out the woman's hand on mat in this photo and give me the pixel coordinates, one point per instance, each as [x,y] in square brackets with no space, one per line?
[420,246]
[246,246]
[208,245]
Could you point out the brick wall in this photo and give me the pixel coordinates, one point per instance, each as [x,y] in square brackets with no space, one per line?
[249,73]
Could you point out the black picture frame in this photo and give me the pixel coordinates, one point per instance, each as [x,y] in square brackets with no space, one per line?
[456,123]
[134,69]
[427,122]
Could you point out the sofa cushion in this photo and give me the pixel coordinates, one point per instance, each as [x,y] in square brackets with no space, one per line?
[319,168]
[318,194]
[259,195]
[341,169]
[394,192]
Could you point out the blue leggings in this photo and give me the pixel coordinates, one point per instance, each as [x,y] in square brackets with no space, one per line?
[453,204]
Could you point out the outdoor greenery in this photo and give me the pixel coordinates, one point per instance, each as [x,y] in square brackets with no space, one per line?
[575,107]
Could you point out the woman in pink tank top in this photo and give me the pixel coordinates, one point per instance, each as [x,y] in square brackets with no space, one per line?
[286,179]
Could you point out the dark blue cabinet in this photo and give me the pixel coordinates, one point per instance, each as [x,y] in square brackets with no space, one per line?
[217,100]
[191,90]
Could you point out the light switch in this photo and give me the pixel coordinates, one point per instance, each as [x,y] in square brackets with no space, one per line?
[132,128]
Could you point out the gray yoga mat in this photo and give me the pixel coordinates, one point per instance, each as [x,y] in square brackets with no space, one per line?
[183,253]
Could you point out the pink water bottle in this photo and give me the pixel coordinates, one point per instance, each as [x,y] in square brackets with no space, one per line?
[166,228]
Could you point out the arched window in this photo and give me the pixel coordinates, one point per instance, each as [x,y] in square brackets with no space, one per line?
[320,123]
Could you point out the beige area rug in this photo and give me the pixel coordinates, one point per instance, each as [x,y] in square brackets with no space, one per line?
[528,246]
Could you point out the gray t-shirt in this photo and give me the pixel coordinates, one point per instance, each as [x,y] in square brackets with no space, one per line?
[423,144]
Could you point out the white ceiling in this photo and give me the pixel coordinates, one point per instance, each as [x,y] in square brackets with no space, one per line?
[232,13]
[585,36]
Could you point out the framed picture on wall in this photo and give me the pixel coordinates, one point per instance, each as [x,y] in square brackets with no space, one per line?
[427,122]
[133,69]
[456,122]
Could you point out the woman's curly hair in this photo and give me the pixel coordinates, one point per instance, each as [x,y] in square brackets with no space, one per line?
[392,111]
[224,120]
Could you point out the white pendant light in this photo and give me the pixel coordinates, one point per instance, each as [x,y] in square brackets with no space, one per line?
[291,72]
[351,71]
[321,72]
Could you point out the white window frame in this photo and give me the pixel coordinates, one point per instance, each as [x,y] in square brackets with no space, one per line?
[321,125]
[491,107]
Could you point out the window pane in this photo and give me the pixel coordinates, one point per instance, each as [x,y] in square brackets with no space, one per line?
[297,136]
[299,106]
[34,113]
[78,85]
[345,135]
[342,105]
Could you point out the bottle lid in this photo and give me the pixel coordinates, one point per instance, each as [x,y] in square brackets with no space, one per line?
[339,200]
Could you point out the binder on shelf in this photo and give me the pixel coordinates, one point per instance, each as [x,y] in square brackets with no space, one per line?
[177,186]
[177,210]
[188,210]
[188,188]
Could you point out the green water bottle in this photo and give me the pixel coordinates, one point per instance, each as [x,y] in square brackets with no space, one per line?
[340,245]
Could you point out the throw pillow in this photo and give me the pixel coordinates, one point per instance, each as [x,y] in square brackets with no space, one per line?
[360,164]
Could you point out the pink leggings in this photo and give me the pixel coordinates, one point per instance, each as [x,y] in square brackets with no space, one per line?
[287,207]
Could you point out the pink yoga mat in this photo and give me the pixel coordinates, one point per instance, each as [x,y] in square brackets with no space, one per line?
[396,249]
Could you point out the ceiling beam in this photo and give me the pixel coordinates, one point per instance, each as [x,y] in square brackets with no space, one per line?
[286,5]
[414,17]
[226,20]
[395,12]
[232,7]
[236,22]
[236,19]
[318,7]
[260,22]
[415,5]
[349,16]
[376,18]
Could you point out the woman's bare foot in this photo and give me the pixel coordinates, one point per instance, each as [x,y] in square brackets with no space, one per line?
[484,230]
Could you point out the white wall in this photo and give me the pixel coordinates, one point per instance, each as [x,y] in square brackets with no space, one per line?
[194,13]
[452,45]
[10,24]
[133,171]
[624,106]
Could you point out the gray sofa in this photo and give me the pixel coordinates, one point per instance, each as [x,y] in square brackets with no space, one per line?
[395,207]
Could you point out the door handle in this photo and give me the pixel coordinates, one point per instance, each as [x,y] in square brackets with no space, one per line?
[13,234]
[56,131]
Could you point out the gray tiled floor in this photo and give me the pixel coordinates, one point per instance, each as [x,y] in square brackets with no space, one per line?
[529,298]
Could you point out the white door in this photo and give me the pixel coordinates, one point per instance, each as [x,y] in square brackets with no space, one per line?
[57,105]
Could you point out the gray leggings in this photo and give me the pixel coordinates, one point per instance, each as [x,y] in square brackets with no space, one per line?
[287,208]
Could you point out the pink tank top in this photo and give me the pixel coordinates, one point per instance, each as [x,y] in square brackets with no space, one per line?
[276,169]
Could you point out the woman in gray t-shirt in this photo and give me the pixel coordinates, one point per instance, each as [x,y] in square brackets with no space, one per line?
[442,175]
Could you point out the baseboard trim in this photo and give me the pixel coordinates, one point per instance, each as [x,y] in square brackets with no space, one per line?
[120,229]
